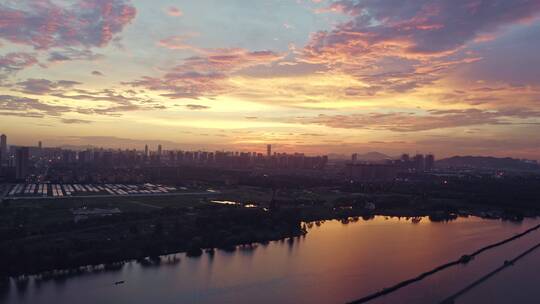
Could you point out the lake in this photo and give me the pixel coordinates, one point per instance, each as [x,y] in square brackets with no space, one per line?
[333,263]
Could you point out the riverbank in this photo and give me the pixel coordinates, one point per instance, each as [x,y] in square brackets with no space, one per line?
[38,237]
[97,249]
[121,237]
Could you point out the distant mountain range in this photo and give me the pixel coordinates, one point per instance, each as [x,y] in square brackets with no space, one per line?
[373,157]
[487,162]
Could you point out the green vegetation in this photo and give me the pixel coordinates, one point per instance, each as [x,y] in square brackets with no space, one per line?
[42,235]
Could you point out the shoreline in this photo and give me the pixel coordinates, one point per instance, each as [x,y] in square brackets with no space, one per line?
[198,247]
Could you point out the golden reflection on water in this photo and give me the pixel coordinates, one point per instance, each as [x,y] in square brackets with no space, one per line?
[334,263]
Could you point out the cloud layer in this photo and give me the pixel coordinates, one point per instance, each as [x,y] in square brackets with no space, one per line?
[44,24]
[205,74]
[332,74]
[401,45]
[412,122]
[13,62]
[410,27]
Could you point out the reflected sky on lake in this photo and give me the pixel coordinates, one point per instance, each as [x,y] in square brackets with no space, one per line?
[333,263]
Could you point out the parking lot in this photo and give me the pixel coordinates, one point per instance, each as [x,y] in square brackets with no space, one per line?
[73,190]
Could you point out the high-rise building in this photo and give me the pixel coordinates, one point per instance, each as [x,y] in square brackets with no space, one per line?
[22,157]
[354,158]
[40,145]
[107,158]
[269,150]
[159,150]
[3,147]
[419,162]
[430,162]
[146,150]
[69,156]
[84,156]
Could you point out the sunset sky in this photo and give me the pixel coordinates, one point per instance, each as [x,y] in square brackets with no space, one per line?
[315,76]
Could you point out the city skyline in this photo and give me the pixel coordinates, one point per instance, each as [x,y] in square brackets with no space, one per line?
[314,76]
[157,149]
[145,149]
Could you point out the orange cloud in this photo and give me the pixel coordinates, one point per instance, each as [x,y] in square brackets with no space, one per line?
[205,74]
[174,11]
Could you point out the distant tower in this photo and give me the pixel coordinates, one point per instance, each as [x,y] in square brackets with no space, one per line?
[269,150]
[159,150]
[430,162]
[40,145]
[22,157]
[3,147]
[354,158]
[145,150]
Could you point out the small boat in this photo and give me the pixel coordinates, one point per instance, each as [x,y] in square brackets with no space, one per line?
[119,282]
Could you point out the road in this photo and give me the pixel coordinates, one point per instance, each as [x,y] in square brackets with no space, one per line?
[145,205]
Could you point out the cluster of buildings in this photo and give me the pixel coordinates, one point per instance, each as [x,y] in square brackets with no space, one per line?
[222,159]
[19,162]
[388,170]
[418,162]
[18,159]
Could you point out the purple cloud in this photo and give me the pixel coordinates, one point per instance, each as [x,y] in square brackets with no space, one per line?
[72,121]
[196,107]
[29,107]
[69,54]
[44,86]
[45,24]
[422,26]
[13,62]
[401,45]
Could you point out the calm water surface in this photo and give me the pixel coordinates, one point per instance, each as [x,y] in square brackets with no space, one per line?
[334,263]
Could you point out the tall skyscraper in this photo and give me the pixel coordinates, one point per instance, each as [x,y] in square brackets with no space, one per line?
[40,145]
[22,157]
[146,150]
[354,158]
[430,162]
[269,150]
[3,147]
[419,162]
[159,150]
